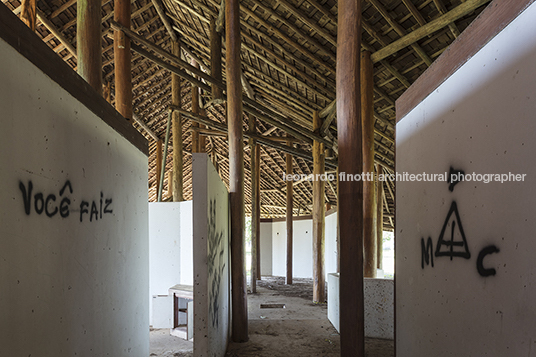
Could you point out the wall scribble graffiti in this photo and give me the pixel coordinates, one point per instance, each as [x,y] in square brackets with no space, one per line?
[216,251]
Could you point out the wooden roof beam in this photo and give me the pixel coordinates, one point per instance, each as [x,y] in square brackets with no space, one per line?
[431,27]
[165,20]
[400,30]
[311,23]
[443,10]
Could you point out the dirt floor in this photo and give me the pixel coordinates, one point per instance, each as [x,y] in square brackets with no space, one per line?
[301,328]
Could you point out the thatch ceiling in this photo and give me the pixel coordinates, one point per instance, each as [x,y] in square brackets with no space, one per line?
[288,59]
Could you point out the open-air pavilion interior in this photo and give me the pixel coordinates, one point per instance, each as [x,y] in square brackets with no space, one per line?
[226,176]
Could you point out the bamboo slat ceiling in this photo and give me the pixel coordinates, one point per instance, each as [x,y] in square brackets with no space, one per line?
[288,60]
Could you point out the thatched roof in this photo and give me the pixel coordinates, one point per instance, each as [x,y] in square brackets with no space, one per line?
[288,60]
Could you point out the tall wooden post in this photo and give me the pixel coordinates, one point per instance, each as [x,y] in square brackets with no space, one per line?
[158,164]
[338,227]
[352,326]
[369,198]
[202,139]
[258,208]
[170,184]
[122,59]
[28,13]
[379,229]
[319,280]
[236,171]
[195,110]
[290,205]
[88,42]
[254,183]
[215,59]
[176,99]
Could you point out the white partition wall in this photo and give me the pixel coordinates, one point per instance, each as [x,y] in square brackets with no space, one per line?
[211,260]
[73,213]
[170,248]
[465,269]
[302,246]
[266,248]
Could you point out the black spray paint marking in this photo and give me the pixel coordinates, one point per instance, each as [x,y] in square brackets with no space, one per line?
[490,249]
[462,250]
[427,252]
[452,248]
[455,176]
[49,203]
[216,255]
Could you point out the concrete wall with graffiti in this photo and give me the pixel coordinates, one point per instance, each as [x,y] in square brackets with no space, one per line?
[211,260]
[73,232]
[465,271]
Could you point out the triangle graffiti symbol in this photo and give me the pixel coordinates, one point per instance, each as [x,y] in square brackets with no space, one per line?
[451,248]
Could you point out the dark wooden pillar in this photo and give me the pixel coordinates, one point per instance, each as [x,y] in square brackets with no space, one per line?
[379,229]
[88,42]
[195,110]
[369,197]
[236,171]
[258,208]
[254,183]
[350,192]
[28,13]
[176,100]
[290,205]
[158,165]
[319,280]
[215,59]
[338,228]
[202,140]
[122,58]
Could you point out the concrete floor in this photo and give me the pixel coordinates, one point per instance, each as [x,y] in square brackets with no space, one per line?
[299,329]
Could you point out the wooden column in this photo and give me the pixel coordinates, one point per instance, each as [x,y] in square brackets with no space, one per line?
[122,59]
[236,171]
[195,110]
[88,42]
[202,140]
[350,192]
[369,199]
[379,229]
[254,183]
[170,184]
[28,13]
[289,217]
[338,228]
[319,280]
[258,208]
[176,100]
[158,164]
[107,91]
[215,59]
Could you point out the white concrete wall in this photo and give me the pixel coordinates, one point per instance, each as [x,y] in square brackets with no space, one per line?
[330,248]
[170,247]
[302,250]
[379,295]
[74,253]
[482,120]
[303,247]
[266,248]
[211,260]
